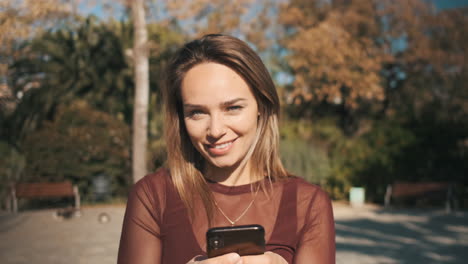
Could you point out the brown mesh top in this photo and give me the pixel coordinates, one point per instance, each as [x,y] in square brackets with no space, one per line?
[297,217]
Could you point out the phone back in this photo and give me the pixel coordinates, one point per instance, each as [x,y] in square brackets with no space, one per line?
[244,240]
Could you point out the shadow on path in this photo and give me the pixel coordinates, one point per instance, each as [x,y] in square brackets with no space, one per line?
[9,221]
[406,236]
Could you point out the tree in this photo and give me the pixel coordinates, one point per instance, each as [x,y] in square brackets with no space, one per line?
[432,99]
[433,61]
[140,114]
[20,20]
[79,144]
[335,55]
[86,60]
[253,21]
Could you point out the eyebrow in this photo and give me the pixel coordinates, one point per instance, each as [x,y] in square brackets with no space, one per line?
[224,104]
[233,101]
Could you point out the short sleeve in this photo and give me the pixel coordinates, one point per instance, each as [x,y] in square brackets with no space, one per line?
[317,235]
[140,241]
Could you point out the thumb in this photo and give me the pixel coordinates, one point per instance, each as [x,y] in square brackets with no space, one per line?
[231,258]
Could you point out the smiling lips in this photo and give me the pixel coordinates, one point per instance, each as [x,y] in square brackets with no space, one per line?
[220,149]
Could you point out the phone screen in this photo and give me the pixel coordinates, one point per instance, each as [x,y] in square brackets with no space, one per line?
[244,240]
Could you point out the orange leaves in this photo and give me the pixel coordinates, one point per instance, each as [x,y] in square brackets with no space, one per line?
[218,16]
[332,62]
[293,16]
[247,18]
[19,18]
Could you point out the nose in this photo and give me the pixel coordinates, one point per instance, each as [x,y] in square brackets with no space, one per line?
[216,127]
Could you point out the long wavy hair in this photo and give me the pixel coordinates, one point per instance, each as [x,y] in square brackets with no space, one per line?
[184,161]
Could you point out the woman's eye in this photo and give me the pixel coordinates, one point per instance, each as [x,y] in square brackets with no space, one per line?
[234,108]
[194,113]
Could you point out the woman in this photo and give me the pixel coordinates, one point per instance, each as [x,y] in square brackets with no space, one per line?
[221,130]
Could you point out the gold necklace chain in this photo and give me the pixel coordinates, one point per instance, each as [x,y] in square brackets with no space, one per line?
[243,213]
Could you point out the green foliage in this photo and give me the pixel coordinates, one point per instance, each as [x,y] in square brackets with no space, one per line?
[370,160]
[305,160]
[439,152]
[85,60]
[11,167]
[157,145]
[302,155]
[164,42]
[88,66]
[320,152]
[78,145]
[89,60]
[11,163]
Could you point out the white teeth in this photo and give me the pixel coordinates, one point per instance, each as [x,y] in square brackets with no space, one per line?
[222,145]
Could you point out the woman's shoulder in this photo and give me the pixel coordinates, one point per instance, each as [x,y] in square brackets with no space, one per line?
[308,191]
[154,181]
[161,174]
[302,183]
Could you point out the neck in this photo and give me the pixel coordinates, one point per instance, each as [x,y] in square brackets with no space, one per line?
[231,176]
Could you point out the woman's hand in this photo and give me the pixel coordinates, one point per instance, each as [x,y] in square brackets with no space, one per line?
[234,258]
[231,258]
[267,258]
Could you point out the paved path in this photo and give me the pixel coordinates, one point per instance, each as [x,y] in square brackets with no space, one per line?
[373,235]
[364,235]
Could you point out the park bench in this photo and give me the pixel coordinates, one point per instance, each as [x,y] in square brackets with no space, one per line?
[44,190]
[399,190]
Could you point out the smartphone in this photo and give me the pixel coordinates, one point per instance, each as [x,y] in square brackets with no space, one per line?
[244,240]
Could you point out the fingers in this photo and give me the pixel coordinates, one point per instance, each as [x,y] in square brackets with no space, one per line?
[231,258]
[193,261]
[234,258]
[267,258]
[258,259]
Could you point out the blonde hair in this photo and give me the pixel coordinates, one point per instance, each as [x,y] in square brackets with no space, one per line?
[184,161]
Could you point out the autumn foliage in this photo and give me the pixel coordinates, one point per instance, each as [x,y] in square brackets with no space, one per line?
[334,54]
[373,91]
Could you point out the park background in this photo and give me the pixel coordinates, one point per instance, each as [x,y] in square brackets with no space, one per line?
[372,92]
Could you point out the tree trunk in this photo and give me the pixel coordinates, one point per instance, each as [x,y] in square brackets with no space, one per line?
[140,110]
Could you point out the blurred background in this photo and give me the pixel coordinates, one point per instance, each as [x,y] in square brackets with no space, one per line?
[373,92]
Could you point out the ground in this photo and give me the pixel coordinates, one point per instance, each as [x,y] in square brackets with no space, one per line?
[367,234]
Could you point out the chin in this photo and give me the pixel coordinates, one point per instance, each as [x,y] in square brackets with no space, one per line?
[224,164]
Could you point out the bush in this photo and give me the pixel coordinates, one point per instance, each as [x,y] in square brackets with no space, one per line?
[306,160]
[370,160]
[320,152]
[302,154]
[78,145]
[11,167]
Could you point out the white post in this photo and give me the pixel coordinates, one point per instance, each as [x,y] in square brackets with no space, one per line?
[15,200]
[8,203]
[77,197]
[388,195]
[448,200]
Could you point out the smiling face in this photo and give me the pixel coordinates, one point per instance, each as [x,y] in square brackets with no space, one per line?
[220,114]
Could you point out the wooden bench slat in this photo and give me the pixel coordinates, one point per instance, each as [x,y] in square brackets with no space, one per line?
[426,189]
[415,189]
[44,190]
[30,190]
[44,193]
